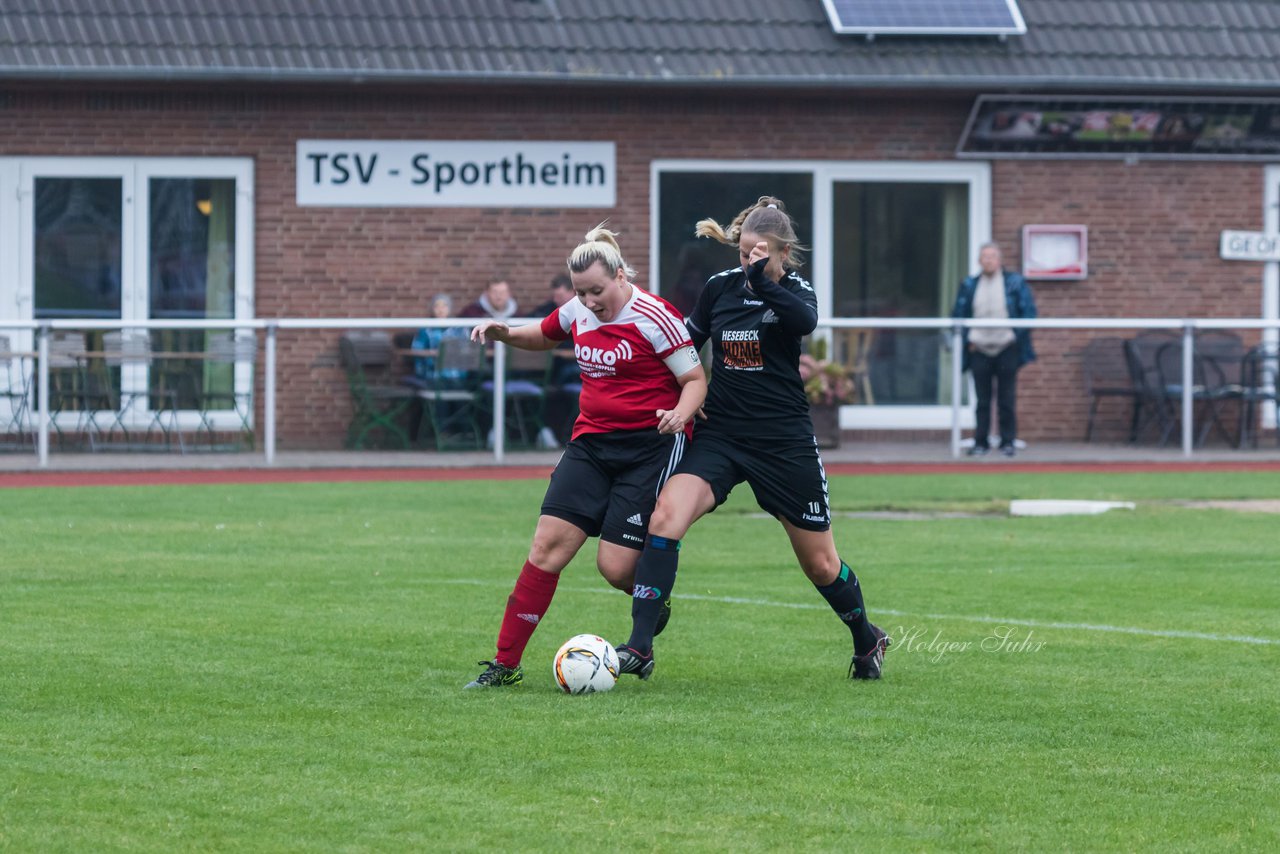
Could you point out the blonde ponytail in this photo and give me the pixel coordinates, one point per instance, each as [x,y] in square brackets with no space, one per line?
[767,218]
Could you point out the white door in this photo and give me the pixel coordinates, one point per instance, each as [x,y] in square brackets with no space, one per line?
[76,235]
[132,239]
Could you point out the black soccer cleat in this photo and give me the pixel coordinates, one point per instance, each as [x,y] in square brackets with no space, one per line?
[868,666]
[497,676]
[633,661]
[664,616]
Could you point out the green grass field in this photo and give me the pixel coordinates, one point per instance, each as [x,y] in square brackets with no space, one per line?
[278,668]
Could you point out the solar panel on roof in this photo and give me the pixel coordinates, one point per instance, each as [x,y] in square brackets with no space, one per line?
[926,17]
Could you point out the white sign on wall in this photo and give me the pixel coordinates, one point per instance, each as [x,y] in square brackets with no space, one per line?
[1249,246]
[455,173]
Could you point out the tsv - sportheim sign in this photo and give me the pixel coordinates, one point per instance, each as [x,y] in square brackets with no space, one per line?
[1249,246]
[455,173]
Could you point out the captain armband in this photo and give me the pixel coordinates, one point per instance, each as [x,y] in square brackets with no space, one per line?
[683,360]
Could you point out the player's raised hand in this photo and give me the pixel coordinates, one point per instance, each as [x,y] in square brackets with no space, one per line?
[757,261]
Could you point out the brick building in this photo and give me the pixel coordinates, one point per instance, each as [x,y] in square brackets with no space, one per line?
[162,160]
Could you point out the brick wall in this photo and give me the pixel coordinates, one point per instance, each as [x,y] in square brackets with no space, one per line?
[1153,226]
[1153,252]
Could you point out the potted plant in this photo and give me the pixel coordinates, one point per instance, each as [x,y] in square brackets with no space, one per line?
[827,384]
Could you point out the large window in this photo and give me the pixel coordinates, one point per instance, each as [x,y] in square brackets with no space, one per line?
[888,240]
[134,239]
[192,247]
[79,228]
[686,262]
[192,275]
[902,249]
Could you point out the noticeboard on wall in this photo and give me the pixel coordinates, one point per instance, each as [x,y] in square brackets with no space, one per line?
[1055,252]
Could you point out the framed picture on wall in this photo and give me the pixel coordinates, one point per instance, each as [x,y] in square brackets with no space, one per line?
[1055,251]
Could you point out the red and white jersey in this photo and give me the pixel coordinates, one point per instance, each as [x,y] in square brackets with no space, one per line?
[629,364]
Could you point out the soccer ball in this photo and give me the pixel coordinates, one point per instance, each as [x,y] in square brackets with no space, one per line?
[586,664]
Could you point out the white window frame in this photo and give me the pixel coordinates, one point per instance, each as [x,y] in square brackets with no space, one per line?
[17,246]
[977,174]
[10,250]
[241,169]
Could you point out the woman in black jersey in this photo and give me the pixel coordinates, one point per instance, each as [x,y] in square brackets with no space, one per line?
[757,429]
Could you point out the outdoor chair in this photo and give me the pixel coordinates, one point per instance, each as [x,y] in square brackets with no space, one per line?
[379,404]
[1259,382]
[1222,355]
[454,402]
[400,343]
[224,351]
[524,393]
[69,390]
[15,390]
[1210,384]
[129,351]
[1152,401]
[857,347]
[1107,374]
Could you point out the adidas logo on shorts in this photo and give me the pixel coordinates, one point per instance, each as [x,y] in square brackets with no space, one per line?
[635,520]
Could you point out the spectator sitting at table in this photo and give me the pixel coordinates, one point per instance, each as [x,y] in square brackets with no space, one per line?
[496,302]
[426,345]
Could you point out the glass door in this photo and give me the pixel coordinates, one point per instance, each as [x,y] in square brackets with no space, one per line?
[197,218]
[902,236]
[137,239]
[900,253]
[191,275]
[76,229]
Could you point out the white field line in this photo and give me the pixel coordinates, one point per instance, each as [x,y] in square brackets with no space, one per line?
[996,621]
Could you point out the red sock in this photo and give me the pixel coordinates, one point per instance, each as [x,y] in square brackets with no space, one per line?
[526,606]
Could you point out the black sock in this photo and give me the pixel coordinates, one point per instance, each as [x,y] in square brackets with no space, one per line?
[655,575]
[845,598]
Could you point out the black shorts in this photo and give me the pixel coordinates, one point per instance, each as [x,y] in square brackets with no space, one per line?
[607,483]
[786,475]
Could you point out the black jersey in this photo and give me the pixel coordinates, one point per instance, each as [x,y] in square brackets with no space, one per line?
[755,347]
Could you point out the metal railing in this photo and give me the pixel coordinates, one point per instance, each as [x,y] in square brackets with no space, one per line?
[272,327]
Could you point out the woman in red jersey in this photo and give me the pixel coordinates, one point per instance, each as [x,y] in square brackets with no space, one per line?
[642,383]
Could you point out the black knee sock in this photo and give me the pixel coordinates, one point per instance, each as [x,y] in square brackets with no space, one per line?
[845,598]
[655,575]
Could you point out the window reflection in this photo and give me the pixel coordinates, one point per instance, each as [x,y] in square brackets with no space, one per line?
[192,275]
[192,248]
[901,251]
[78,235]
[686,262]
